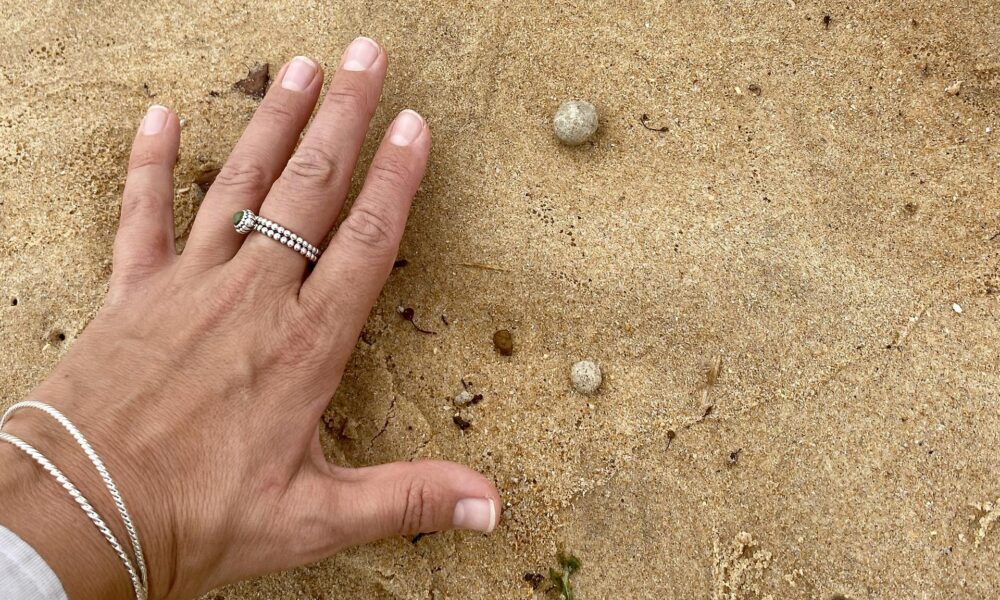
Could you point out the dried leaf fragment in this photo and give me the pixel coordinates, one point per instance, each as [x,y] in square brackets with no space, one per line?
[255,83]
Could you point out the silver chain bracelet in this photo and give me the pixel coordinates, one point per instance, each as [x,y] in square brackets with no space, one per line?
[140,577]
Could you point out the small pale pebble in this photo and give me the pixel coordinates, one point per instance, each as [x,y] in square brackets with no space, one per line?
[954,88]
[957,308]
[586,376]
[464,398]
[575,122]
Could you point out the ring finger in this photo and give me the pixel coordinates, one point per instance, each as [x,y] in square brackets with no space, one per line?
[310,192]
[255,162]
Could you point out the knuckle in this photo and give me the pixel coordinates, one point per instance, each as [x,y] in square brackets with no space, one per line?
[275,112]
[418,508]
[350,95]
[243,177]
[313,166]
[140,201]
[391,172]
[144,157]
[319,311]
[297,345]
[371,228]
[230,292]
[137,263]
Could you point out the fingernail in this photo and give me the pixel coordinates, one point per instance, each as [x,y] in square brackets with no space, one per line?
[360,55]
[155,119]
[299,74]
[478,514]
[406,128]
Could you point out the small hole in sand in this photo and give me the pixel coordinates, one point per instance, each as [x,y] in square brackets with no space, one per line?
[57,337]
[13,301]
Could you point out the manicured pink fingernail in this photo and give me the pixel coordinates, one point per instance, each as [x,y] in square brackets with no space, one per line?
[360,55]
[406,128]
[478,514]
[299,74]
[155,119]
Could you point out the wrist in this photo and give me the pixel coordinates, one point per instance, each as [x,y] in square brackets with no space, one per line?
[42,513]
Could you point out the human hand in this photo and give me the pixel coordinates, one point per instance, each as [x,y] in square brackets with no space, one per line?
[203,378]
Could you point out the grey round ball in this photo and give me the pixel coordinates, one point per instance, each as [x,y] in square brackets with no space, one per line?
[586,376]
[575,122]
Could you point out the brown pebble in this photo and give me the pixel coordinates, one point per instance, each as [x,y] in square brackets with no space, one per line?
[503,341]
[462,423]
[206,178]
[754,89]
[255,83]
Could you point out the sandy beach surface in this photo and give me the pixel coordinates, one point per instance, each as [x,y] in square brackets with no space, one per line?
[782,247]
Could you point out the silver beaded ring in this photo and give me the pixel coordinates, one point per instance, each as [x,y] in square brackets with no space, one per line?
[246,221]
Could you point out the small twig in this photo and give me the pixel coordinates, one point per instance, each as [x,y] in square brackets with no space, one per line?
[644,121]
[706,410]
[407,314]
[712,371]
[481,266]
[904,333]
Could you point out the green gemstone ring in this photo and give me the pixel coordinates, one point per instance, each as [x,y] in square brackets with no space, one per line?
[245,221]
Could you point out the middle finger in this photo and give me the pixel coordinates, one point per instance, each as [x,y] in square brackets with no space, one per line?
[310,192]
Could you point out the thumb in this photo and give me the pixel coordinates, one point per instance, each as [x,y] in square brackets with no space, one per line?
[404,498]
